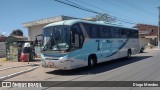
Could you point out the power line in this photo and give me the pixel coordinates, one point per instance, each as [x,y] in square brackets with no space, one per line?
[92,5]
[76,4]
[134,6]
[77,7]
[89,10]
[106,11]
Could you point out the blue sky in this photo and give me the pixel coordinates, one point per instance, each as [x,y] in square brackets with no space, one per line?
[15,12]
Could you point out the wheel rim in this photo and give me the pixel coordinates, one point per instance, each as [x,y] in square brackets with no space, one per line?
[129,55]
[92,62]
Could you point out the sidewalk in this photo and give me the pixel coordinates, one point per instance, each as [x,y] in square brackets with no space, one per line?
[4,63]
[9,69]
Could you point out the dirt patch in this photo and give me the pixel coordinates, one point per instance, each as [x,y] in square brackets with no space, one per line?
[2,59]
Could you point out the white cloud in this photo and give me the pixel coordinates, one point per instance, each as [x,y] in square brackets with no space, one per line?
[3,33]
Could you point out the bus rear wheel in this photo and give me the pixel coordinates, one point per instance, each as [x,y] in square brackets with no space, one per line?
[92,61]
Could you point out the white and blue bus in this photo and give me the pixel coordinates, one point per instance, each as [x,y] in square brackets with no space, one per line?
[72,44]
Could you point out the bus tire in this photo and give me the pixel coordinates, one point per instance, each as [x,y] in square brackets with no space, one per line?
[129,53]
[141,50]
[92,61]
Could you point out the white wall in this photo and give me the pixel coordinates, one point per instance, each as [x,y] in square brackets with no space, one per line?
[144,41]
[34,31]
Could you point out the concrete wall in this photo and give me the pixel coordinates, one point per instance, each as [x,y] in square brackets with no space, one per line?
[34,31]
[144,41]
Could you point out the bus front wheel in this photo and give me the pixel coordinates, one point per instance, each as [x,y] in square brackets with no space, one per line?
[92,61]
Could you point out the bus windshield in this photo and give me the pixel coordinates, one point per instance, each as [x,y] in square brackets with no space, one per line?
[58,38]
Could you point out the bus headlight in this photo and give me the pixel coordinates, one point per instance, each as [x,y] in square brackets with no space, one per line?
[63,58]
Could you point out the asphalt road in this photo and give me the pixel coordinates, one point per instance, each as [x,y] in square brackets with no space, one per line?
[142,67]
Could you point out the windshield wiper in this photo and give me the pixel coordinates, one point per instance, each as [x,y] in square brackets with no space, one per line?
[56,41]
[45,47]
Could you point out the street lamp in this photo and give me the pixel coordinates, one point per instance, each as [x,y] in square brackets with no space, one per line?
[159,29]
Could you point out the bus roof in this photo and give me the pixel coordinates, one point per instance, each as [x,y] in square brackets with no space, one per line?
[74,21]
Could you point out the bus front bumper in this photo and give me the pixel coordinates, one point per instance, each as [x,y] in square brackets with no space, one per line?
[57,64]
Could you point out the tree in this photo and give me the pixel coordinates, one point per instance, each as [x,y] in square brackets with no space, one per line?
[104,17]
[17,32]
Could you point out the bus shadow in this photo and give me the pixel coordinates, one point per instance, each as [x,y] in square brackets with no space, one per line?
[100,68]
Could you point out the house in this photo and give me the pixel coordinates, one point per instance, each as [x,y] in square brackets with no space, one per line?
[2,38]
[148,34]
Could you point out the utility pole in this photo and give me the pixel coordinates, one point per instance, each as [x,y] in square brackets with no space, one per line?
[159,29]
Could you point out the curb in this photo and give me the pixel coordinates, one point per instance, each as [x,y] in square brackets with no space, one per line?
[17,73]
[1,69]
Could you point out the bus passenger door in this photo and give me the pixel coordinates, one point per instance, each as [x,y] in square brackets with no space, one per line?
[76,43]
[77,37]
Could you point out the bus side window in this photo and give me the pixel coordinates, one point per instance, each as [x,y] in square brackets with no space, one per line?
[123,33]
[128,33]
